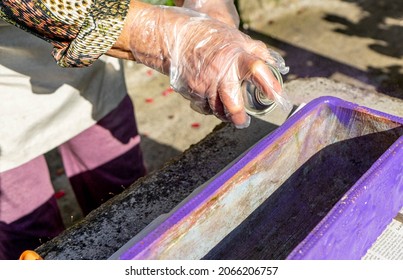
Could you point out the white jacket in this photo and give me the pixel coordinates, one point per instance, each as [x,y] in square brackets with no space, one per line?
[42,104]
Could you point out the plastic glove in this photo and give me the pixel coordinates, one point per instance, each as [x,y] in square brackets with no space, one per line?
[224,10]
[206,59]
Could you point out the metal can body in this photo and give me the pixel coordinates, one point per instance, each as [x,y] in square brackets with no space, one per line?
[256,102]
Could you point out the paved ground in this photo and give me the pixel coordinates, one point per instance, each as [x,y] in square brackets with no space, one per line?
[355,42]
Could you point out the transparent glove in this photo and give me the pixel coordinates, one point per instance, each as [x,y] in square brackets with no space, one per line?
[206,60]
[224,11]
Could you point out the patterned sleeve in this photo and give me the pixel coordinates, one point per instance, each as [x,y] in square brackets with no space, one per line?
[80,30]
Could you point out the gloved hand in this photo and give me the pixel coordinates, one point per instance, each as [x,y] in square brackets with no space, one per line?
[224,11]
[206,59]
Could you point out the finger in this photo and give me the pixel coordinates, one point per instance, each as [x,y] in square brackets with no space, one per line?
[231,97]
[256,71]
[216,104]
[200,107]
[197,102]
[263,78]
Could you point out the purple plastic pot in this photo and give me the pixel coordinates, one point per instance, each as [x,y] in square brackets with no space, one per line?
[324,185]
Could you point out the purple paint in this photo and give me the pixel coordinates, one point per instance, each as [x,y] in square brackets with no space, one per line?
[352,224]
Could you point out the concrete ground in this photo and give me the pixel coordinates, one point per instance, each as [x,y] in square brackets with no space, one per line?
[359,43]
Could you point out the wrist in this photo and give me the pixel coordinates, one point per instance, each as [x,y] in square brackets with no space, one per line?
[121,48]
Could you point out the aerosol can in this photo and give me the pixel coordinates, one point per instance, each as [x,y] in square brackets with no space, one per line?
[256,102]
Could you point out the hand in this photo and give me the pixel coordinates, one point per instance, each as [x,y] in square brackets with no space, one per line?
[206,59]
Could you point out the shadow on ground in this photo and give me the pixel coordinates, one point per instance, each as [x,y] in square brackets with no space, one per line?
[382,23]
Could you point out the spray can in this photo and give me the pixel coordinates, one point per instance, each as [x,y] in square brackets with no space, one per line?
[256,102]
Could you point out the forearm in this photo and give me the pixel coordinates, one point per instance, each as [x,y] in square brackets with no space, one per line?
[121,47]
